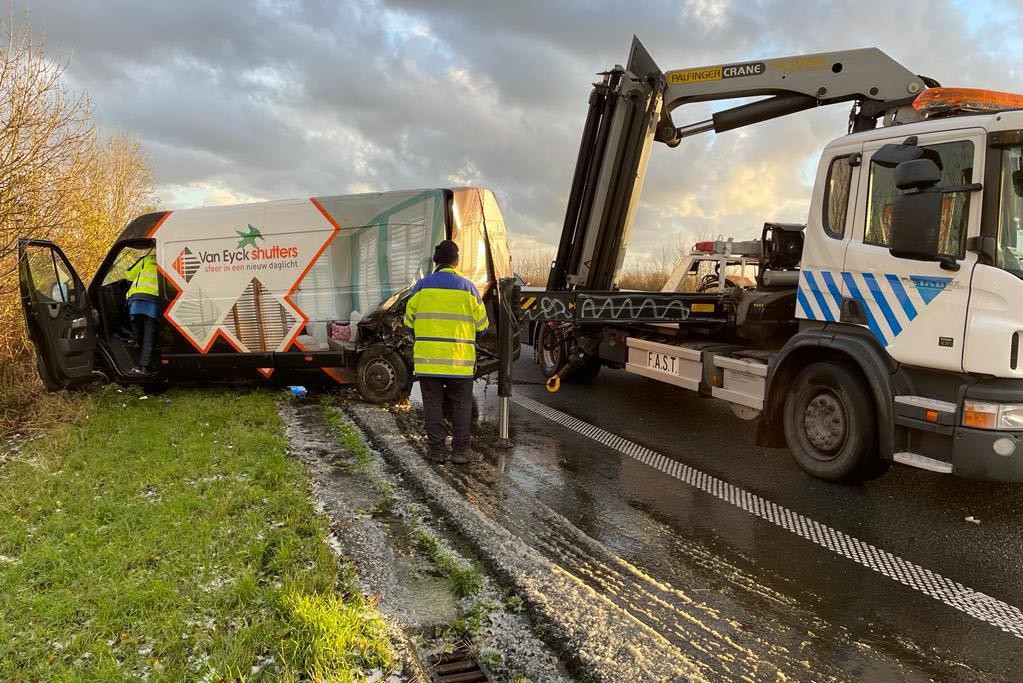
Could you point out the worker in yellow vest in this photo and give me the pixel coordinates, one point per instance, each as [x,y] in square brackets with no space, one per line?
[143,299]
[446,316]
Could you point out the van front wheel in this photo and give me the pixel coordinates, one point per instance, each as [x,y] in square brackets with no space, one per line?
[382,375]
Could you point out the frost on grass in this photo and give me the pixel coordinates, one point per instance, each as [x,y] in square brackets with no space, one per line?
[198,557]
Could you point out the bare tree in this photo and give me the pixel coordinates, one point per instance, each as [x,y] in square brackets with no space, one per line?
[59,179]
[46,140]
[534,266]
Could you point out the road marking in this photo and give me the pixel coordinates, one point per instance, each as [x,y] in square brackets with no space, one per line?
[978,605]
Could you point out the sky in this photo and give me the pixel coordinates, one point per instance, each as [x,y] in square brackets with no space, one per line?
[271,99]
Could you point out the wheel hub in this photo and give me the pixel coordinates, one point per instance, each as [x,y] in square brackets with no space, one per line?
[380,375]
[825,422]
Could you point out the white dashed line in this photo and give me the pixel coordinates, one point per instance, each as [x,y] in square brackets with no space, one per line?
[978,605]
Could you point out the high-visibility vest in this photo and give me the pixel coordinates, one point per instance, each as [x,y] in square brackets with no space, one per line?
[142,276]
[445,313]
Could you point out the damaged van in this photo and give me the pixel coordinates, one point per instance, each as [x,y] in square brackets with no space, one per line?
[292,292]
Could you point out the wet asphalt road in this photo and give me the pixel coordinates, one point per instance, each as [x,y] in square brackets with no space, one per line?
[753,570]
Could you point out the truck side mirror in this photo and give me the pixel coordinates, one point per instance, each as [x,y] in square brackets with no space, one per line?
[1017,182]
[916,215]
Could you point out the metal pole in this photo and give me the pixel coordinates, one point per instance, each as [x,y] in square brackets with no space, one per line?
[507,329]
[504,418]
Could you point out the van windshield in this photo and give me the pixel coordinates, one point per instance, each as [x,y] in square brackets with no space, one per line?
[1010,211]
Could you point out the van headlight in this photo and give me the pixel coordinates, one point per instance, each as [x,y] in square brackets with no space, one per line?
[980,415]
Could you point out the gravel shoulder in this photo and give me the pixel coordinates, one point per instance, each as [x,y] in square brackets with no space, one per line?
[428,585]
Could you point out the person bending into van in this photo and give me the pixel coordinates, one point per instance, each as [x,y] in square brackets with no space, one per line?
[144,308]
[446,315]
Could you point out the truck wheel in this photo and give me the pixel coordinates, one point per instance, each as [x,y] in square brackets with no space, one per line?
[382,375]
[553,354]
[829,422]
[550,359]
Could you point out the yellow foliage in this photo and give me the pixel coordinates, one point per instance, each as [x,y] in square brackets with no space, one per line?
[61,180]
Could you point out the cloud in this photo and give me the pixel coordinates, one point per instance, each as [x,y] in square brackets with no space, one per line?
[285,98]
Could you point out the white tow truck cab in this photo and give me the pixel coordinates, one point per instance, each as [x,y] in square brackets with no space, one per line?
[887,329]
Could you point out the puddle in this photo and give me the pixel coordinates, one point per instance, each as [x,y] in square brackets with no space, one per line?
[409,587]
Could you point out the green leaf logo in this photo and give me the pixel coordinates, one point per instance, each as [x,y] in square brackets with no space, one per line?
[249,238]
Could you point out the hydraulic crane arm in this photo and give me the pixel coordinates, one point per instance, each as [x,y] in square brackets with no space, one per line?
[866,76]
[632,107]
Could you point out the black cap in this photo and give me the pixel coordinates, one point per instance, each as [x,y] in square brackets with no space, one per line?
[446,253]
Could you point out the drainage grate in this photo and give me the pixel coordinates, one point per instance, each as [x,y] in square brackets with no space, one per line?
[457,667]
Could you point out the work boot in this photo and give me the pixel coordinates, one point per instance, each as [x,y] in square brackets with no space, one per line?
[466,457]
[438,458]
[140,372]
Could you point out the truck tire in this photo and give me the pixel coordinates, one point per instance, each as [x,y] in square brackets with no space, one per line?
[830,425]
[382,375]
[550,359]
[553,356]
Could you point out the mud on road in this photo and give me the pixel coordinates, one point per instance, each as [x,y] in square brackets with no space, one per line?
[379,525]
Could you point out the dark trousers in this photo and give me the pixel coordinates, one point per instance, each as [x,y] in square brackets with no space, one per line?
[459,392]
[145,335]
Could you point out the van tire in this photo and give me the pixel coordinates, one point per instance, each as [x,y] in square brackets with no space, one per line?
[830,425]
[382,375]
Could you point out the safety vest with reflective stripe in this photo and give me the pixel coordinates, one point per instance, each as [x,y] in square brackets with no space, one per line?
[445,313]
[142,275]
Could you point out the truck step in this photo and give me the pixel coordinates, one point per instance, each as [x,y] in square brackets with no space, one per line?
[923,462]
[740,380]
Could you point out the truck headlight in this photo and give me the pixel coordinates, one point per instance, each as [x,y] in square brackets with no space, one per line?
[980,415]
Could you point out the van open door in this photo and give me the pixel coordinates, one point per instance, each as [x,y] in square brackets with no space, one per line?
[58,314]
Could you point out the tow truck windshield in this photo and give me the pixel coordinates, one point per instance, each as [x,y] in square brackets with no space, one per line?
[1010,213]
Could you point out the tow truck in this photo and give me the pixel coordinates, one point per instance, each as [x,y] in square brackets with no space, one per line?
[886,329]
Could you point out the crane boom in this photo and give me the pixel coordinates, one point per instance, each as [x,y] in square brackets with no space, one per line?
[632,106]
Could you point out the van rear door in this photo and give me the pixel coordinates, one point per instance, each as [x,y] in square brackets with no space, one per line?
[58,314]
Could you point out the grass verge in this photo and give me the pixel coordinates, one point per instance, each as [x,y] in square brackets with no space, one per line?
[171,538]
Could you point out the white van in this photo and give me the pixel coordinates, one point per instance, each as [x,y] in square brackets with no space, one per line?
[288,291]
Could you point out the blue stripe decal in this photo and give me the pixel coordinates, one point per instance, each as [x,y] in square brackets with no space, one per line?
[882,302]
[819,296]
[900,294]
[836,293]
[801,298]
[854,291]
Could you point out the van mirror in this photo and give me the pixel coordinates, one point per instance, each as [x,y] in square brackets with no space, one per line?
[916,215]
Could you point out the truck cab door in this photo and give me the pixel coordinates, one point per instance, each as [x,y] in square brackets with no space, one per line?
[916,309]
[58,314]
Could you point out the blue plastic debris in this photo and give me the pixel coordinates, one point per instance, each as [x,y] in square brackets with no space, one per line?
[298,391]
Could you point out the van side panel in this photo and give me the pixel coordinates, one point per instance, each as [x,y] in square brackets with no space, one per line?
[273,277]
